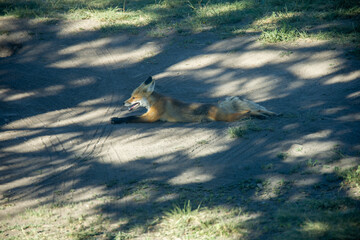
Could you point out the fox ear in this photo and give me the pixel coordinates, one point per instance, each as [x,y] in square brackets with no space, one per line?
[149,85]
[148,81]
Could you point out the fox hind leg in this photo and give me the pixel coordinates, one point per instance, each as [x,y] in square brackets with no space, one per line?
[234,116]
[261,114]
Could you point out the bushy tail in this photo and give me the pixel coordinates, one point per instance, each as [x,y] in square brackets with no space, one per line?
[236,104]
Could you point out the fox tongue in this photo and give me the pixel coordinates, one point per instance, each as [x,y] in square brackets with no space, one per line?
[133,106]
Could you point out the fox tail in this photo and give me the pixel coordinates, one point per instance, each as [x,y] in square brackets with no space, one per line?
[236,104]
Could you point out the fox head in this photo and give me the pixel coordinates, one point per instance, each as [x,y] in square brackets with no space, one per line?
[140,95]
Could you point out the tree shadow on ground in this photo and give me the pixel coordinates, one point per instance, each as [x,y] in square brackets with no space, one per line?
[59,149]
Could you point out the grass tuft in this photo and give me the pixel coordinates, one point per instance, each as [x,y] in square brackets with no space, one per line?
[237,132]
[283,34]
[351,177]
[243,129]
[202,223]
[282,155]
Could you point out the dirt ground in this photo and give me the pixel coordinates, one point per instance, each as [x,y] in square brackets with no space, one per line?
[59,90]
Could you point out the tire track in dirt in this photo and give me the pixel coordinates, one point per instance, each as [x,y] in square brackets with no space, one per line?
[43,164]
[96,137]
[48,141]
[102,131]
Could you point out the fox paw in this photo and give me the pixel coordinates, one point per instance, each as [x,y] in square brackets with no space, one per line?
[116,120]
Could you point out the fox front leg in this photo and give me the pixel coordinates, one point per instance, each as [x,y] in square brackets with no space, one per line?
[133,119]
[148,117]
[116,120]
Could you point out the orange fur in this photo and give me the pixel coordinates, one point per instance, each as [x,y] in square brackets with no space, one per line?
[167,109]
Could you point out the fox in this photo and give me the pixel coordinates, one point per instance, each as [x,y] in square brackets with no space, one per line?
[167,109]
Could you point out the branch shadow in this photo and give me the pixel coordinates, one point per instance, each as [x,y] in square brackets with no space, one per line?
[58,94]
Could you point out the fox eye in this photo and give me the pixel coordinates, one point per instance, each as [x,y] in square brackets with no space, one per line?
[133,97]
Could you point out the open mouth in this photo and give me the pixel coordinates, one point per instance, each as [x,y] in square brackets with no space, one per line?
[134,106]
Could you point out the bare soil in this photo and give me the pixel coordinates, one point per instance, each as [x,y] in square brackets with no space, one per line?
[59,90]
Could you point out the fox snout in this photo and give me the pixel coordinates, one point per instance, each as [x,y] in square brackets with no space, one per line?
[129,101]
[131,105]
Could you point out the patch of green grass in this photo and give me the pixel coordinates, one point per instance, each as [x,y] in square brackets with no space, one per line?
[4,32]
[338,37]
[286,53]
[236,132]
[243,129]
[269,166]
[202,223]
[312,163]
[253,127]
[131,22]
[218,13]
[283,34]
[140,191]
[37,212]
[337,153]
[318,219]
[277,20]
[282,155]
[123,236]
[90,230]
[202,142]
[351,176]
[282,187]
[250,184]
[46,222]
[217,217]
[182,212]
[159,31]
[85,233]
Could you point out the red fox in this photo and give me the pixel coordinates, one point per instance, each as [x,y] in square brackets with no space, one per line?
[164,108]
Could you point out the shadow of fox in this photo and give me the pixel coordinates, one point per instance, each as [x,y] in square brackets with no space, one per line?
[163,108]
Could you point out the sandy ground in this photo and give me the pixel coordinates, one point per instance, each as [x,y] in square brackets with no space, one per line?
[59,90]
